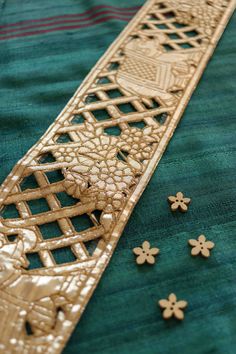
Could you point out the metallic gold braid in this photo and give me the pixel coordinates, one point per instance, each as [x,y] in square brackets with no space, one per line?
[100,153]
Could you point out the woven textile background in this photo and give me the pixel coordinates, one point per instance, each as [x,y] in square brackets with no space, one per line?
[45,53]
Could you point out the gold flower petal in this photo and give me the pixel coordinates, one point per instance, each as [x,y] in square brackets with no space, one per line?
[181,304]
[146,246]
[138,251]
[201,238]
[81,169]
[179,314]
[174,206]
[183,207]
[193,242]
[172,199]
[150,259]
[141,259]
[172,297]
[195,251]
[205,252]
[164,303]
[209,244]
[154,251]
[179,195]
[167,313]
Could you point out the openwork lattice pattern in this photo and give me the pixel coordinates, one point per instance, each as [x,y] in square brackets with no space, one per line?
[65,204]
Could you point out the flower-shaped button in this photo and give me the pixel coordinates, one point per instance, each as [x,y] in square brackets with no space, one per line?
[179,202]
[201,246]
[172,307]
[145,253]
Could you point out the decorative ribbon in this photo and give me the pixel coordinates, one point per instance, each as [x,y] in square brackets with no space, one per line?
[104,145]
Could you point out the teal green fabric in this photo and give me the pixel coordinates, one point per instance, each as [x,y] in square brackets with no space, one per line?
[39,73]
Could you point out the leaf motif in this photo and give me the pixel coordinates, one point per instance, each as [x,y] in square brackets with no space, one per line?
[88,134]
[90,127]
[134,163]
[111,153]
[147,130]
[82,137]
[99,131]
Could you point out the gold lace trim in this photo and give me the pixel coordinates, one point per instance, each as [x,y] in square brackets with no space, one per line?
[76,188]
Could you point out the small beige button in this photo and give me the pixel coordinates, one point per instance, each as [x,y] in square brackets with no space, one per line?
[201,246]
[145,253]
[179,202]
[172,307]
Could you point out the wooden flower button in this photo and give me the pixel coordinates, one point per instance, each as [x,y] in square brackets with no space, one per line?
[201,246]
[172,307]
[179,202]
[145,253]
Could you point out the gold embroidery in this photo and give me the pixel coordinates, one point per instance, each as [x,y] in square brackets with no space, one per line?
[100,153]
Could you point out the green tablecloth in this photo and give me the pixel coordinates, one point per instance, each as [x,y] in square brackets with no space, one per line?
[41,66]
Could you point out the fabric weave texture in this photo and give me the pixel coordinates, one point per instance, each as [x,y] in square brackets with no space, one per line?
[43,60]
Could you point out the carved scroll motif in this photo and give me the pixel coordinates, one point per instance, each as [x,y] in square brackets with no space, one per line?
[75,189]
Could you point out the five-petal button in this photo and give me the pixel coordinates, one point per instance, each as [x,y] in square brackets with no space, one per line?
[172,307]
[201,246]
[179,202]
[145,253]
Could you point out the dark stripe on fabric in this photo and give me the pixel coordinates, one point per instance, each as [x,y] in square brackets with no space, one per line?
[86,19]
[91,10]
[63,28]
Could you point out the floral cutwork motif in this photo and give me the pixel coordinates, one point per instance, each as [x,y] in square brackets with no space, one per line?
[66,154]
[137,142]
[74,183]
[95,144]
[109,180]
[154,67]
[96,174]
